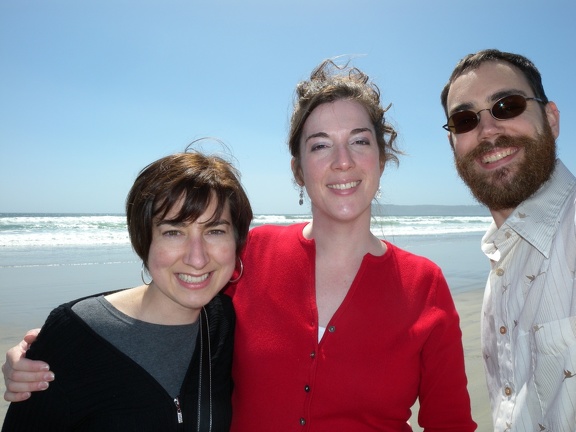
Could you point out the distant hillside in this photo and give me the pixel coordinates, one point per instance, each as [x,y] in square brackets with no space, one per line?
[429,210]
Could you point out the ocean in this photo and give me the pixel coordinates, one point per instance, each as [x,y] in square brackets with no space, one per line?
[28,240]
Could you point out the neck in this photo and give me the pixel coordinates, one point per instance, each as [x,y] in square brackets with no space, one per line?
[500,216]
[348,238]
[145,304]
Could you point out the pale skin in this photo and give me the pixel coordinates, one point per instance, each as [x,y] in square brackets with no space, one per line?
[479,89]
[341,169]
[189,264]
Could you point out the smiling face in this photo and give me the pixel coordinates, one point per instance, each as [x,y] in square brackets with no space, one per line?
[191,262]
[503,162]
[340,164]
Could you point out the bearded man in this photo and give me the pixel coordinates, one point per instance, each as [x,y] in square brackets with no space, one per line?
[503,130]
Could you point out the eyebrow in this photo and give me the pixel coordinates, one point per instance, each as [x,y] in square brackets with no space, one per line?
[467,106]
[213,223]
[210,223]
[325,135]
[168,222]
[316,135]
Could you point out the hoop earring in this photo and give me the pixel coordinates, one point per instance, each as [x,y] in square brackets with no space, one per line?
[241,272]
[301,200]
[144,270]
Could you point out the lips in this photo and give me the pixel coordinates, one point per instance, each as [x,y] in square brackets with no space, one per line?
[499,154]
[344,186]
[192,279]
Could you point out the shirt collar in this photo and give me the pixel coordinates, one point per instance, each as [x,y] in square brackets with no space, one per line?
[536,219]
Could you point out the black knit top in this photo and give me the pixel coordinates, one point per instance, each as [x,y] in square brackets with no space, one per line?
[99,388]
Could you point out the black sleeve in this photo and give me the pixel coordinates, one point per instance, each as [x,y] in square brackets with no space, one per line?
[46,410]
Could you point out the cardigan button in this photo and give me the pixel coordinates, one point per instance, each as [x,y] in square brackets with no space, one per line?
[306,388]
[302,421]
[332,329]
[312,354]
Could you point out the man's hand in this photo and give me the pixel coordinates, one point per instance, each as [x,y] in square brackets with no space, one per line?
[23,376]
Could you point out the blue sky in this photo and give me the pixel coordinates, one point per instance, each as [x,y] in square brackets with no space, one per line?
[91,91]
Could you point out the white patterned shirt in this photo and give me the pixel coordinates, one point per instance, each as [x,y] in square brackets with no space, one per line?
[529,312]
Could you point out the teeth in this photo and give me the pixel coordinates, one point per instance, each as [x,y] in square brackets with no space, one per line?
[192,279]
[493,157]
[344,186]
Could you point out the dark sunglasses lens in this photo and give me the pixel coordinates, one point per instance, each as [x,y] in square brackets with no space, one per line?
[463,121]
[509,107]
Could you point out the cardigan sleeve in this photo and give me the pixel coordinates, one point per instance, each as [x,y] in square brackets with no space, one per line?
[443,396]
[47,410]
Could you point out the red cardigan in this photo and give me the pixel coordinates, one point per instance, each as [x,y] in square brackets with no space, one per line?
[394,339]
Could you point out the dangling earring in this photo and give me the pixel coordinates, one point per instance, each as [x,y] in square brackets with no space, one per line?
[143,271]
[241,272]
[378,194]
[301,200]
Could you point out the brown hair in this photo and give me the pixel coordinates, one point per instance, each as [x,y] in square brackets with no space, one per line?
[474,61]
[195,177]
[328,83]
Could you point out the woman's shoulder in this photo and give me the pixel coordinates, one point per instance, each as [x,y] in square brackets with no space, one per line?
[406,258]
[264,235]
[63,319]
[271,230]
[61,331]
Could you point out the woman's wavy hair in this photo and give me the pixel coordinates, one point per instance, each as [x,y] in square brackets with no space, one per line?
[330,82]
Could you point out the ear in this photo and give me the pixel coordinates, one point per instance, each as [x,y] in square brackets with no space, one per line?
[449,136]
[297,172]
[553,115]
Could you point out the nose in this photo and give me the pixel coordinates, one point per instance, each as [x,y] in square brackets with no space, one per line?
[488,126]
[343,159]
[196,253]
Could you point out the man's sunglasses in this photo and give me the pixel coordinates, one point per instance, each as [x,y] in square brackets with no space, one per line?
[506,108]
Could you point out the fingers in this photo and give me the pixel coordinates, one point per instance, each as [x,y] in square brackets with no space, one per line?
[24,371]
[19,385]
[19,391]
[16,359]
[31,335]
[16,364]
[18,381]
[23,376]
[16,397]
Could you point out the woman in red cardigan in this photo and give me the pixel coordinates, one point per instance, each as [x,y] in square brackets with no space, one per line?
[337,330]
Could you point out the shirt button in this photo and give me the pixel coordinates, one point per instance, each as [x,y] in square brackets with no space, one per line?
[306,388]
[332,329]
[507,391]
[503,330]
[499,271]
[302,421]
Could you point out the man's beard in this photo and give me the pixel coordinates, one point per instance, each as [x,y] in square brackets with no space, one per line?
[503,188]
